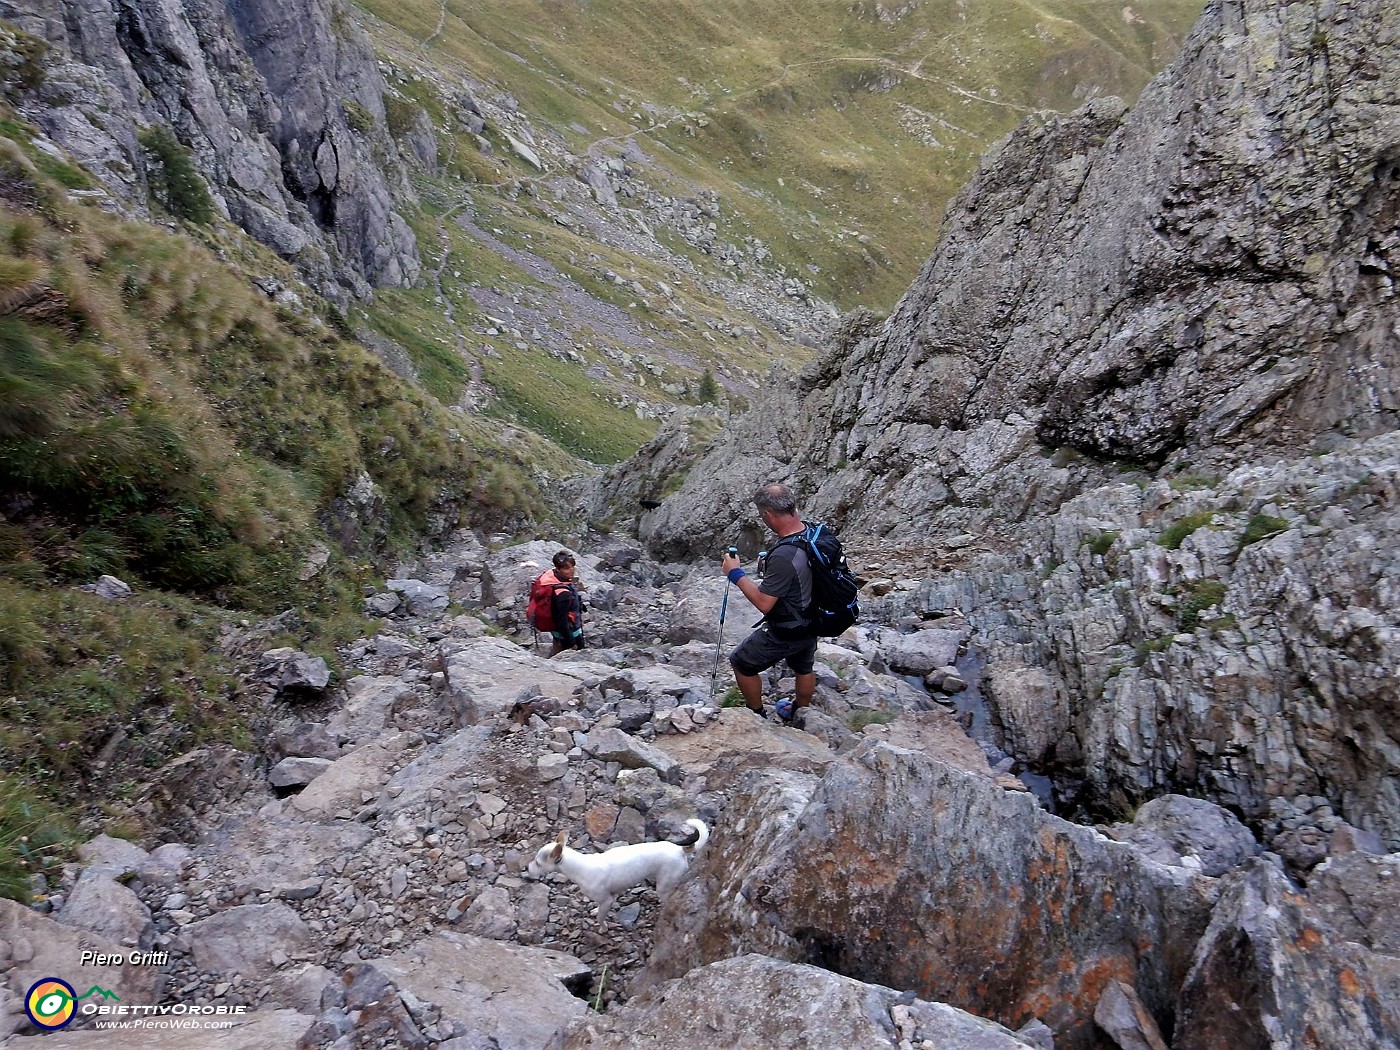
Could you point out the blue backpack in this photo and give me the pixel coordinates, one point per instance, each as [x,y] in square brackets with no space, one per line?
[834,587]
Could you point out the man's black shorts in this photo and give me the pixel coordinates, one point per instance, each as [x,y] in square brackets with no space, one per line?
[761,650]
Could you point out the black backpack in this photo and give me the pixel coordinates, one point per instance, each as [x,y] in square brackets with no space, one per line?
[834,586]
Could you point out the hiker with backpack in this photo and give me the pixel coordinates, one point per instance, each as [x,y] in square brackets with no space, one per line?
[807,592]
[555,605]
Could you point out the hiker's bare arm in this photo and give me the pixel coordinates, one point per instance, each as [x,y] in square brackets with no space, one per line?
[748,588]
[760,601]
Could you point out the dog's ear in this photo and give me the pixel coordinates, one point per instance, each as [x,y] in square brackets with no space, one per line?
[557,853]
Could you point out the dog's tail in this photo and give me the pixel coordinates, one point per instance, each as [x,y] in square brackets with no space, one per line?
[700,835]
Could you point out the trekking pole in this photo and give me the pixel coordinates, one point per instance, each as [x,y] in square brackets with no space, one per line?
[719,645]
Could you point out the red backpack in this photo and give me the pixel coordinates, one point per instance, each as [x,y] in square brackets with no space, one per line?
[539,613]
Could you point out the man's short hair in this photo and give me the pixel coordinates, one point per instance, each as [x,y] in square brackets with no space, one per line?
[777,498]
[563,560]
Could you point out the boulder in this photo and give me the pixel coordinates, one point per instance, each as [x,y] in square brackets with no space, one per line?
[295,671]
[420,599]
[297,772]
[104,906]
[921,651]
[1358,895]
[613,745]
[243,940]
[737,743]
[504,995]
[1125,1020]
[494,671]
[1270,973]
[164,865]
[1173,826]
[339,791]
[756,1003]
[981,899]
[118,857]
[38,947]
[370,701]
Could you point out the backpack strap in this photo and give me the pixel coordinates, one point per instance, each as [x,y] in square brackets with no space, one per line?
[803,541]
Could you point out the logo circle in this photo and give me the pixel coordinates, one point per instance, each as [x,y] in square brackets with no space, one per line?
[50,1003]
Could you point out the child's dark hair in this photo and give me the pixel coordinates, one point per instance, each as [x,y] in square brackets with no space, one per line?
[563,559]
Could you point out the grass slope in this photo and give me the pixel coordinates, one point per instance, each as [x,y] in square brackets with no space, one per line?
[821,122]
[162,421]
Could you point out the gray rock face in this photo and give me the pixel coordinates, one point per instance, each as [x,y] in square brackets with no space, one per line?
[1198,286]
[1270,973]
[281,105]
[1222,642]
[1199,273]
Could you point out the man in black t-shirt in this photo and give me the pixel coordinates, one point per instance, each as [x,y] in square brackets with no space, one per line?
[786,591]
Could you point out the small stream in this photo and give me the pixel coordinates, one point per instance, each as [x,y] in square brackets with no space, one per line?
[971,709]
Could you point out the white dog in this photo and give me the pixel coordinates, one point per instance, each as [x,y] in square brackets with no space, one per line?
[603,876]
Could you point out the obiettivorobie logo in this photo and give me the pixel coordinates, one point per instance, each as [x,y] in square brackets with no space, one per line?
[52,1003]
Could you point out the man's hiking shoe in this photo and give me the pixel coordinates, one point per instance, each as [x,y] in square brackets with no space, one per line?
[786,710]
[757,711]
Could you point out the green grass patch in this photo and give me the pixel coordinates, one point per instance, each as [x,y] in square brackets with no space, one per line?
[80,667]
[807,117]
[732,697]
[1193,482]
[865,717]
[407,319]
[1221,624]
[35,838]
[1099,545]
[1144,649]
[557,400]
[162,421]
[1261,527]
[1175,534]
[1195,598]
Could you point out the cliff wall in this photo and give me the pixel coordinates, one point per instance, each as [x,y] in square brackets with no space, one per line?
[281,105]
